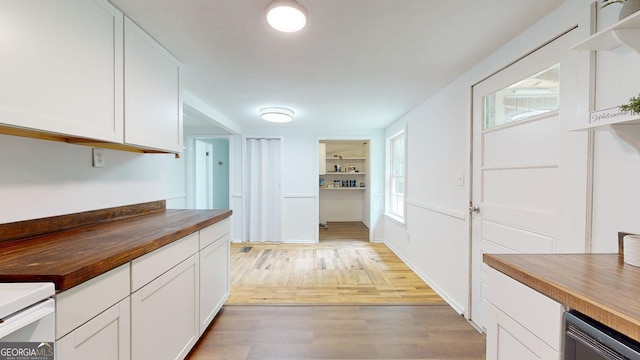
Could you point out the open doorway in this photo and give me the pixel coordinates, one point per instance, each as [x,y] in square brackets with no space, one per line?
[211,173]
[344,197]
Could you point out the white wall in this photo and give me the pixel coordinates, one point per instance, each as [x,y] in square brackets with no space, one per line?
[45,178]
[616,197]
[300,177]
[175,181]
[435,240]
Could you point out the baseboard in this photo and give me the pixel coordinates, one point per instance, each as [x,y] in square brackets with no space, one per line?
[456,307]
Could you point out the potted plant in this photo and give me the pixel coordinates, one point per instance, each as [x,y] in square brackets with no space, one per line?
[628,6]
[633,105]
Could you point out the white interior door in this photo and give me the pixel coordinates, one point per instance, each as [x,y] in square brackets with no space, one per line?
[527,166]
[263,220]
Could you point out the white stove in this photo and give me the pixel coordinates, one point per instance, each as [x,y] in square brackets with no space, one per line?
[27,312]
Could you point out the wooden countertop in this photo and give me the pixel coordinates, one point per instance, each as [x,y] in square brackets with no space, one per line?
[77,254]
[600,286]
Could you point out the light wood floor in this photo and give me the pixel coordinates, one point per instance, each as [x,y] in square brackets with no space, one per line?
[344,268]
[339,332]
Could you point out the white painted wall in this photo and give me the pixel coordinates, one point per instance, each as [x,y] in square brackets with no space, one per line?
[45,178]
[300,178]
[616,196]
[175,185]
[435,239]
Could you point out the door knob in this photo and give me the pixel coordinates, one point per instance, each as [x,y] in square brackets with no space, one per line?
[474,209]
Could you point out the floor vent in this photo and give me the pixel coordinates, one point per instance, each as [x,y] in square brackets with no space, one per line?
[246,249]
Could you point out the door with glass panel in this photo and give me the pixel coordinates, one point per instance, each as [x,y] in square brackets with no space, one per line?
[521,146]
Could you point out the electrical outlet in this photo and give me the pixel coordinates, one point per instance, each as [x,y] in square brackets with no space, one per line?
[99,158]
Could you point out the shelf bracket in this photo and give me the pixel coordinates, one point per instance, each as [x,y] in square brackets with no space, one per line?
[628,133]
[629,37]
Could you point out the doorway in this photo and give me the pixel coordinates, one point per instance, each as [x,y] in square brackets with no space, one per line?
[211,173]
[343,198]
[527,166]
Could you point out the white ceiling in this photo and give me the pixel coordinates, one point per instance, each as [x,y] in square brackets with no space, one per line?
[357,63]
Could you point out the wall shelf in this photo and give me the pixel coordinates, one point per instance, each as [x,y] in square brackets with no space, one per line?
[344,173]
[342,188]
[624,32]
[346,158]
[627,129]
[606,124]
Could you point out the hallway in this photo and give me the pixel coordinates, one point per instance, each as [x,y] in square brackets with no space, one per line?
[343,298]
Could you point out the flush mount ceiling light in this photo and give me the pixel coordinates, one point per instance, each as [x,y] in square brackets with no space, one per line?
[286,15]
[276,114]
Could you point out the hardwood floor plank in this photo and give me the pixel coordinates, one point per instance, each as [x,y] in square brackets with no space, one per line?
[340,332]
[344,268]
[311,302]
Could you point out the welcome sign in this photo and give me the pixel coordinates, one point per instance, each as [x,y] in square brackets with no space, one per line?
[610,116]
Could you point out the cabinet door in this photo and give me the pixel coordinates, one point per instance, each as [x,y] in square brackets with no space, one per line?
[164,314]
[62,67]
[214,280]
[508,340]
[153,102]
[107,336]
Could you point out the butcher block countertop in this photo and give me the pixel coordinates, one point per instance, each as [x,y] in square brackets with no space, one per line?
[600,286]
[70,249]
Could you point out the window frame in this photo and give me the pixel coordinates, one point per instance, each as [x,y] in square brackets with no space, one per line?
[394,200]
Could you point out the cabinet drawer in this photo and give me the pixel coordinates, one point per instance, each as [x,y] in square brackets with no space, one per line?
[214,232]
[108,334]
[534,311]
[148,267]
[81,303]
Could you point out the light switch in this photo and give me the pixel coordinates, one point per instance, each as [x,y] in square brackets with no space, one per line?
[461,179]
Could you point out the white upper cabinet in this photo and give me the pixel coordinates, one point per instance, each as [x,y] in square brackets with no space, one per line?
[153,103]
[80,71]
[62,67]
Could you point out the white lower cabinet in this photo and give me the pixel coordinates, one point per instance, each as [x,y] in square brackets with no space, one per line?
[107,336]
[164,314]
[214,280]
[155,307]
[521,323]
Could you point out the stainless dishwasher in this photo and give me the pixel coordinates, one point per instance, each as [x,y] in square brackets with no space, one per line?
[587,339]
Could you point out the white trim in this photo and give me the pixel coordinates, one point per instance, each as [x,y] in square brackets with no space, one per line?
[299,196]
[456,307]
[449,212]
[521,166]
[395,219]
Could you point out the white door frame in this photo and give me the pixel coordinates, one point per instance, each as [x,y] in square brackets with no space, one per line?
[368,177]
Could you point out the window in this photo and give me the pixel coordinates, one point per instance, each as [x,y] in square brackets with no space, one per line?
[534,96]
[396,185]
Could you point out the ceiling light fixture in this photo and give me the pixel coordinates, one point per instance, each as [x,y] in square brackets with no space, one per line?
[276,114]
[286,15]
